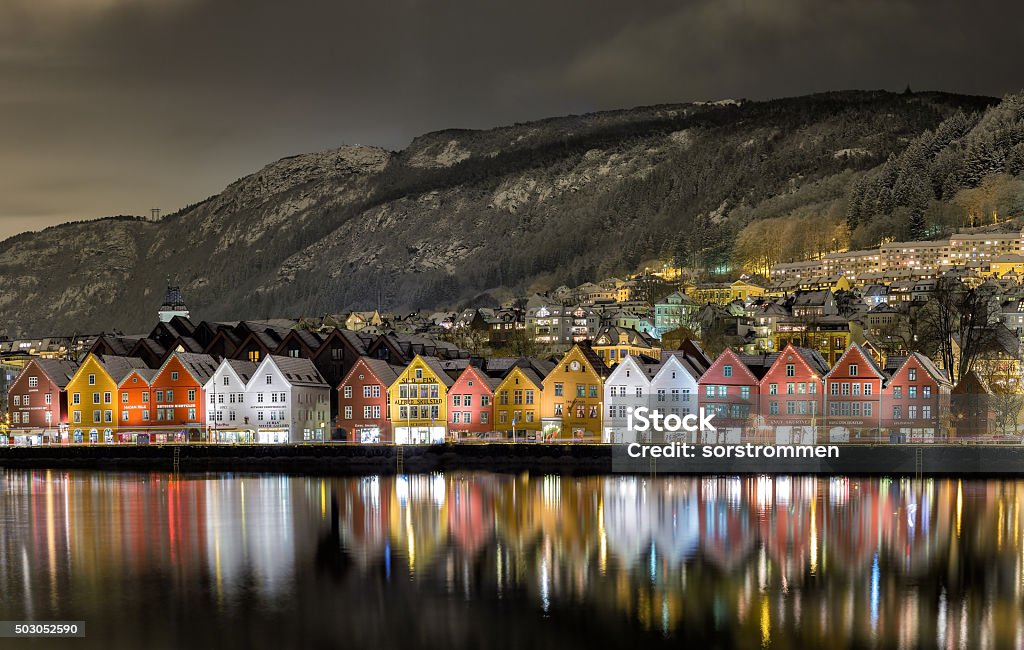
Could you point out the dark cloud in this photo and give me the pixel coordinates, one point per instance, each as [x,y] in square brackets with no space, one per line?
[116,106]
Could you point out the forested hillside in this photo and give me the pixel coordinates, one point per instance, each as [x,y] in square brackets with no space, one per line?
[526,207]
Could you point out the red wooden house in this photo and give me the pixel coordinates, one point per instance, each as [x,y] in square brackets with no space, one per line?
[363,414]
[178,405]
[729,390]
[135,406]
[853,394]
[471,403]
[915,399]
[792,394]
[37,400]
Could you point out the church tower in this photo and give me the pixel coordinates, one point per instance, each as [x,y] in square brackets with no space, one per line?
[174,304]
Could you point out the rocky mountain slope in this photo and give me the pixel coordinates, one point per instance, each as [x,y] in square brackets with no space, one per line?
[461,212]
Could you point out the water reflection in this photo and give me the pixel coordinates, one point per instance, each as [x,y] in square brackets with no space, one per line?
[486,560]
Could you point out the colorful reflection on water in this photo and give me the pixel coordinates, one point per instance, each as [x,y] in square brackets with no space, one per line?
[470,560]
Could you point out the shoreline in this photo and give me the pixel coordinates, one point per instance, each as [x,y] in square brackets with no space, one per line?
[561,458]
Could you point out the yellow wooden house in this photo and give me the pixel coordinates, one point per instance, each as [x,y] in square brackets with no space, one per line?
[418,402]
[571,401]
[517,403]
[93,400]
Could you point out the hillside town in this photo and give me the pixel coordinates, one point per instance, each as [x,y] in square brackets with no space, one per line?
[912,341]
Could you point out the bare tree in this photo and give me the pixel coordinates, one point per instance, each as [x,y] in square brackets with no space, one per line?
[956,321]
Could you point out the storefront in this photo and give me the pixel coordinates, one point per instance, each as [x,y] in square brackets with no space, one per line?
[428,435]
[367,434]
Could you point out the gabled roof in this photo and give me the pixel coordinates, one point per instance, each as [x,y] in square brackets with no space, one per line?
[854,348]
[119,367]
[200,366]
[672,361]
[384,371]
[242,369]
[435,366]
[145,374]
[60,371]
[629,363]
[895,365]
[297,372]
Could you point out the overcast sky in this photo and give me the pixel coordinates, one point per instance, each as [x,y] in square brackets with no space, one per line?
[117,106]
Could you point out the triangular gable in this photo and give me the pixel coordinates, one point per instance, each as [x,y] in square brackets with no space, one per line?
[925,364]
[141,373]
[781,359]
[630,363]
[856,349]
[474,372]
[674,362]
[729,355]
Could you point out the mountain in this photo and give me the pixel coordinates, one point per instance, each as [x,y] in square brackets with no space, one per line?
[459,212]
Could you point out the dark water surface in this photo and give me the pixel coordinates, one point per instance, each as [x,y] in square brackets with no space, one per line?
[472,560]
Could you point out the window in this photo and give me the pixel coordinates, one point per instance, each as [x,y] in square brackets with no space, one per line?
[467,417]
[92,380]
[867,409]
[581,390]
[846,388]
[48,399]
[744,392]
[124,397]
[108,416]
[773,389]
[912,374]
[911,392]
[483,417]
[174,375]
[727,370]
[456,401]
[17,400]
[419,373]
[456,417]
[95,398]
[159,396]
[897,412]
[467,400]
[790,388]
[926,391]
[790,370]
[709,391]
[33,382]
[675,394]
[529,396]
[270,379]
[926,412]
[366,390]
[773,408]
[78,417]
[912,412]
[867,389]
[226,380]
[106,397]
[191,415]
[485,400]
[170,395]
[348,392]
[661,394]
[897,392]
[348,412]
[853,370]
[76,398]
[790,407]
[723,391]
[833,388]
